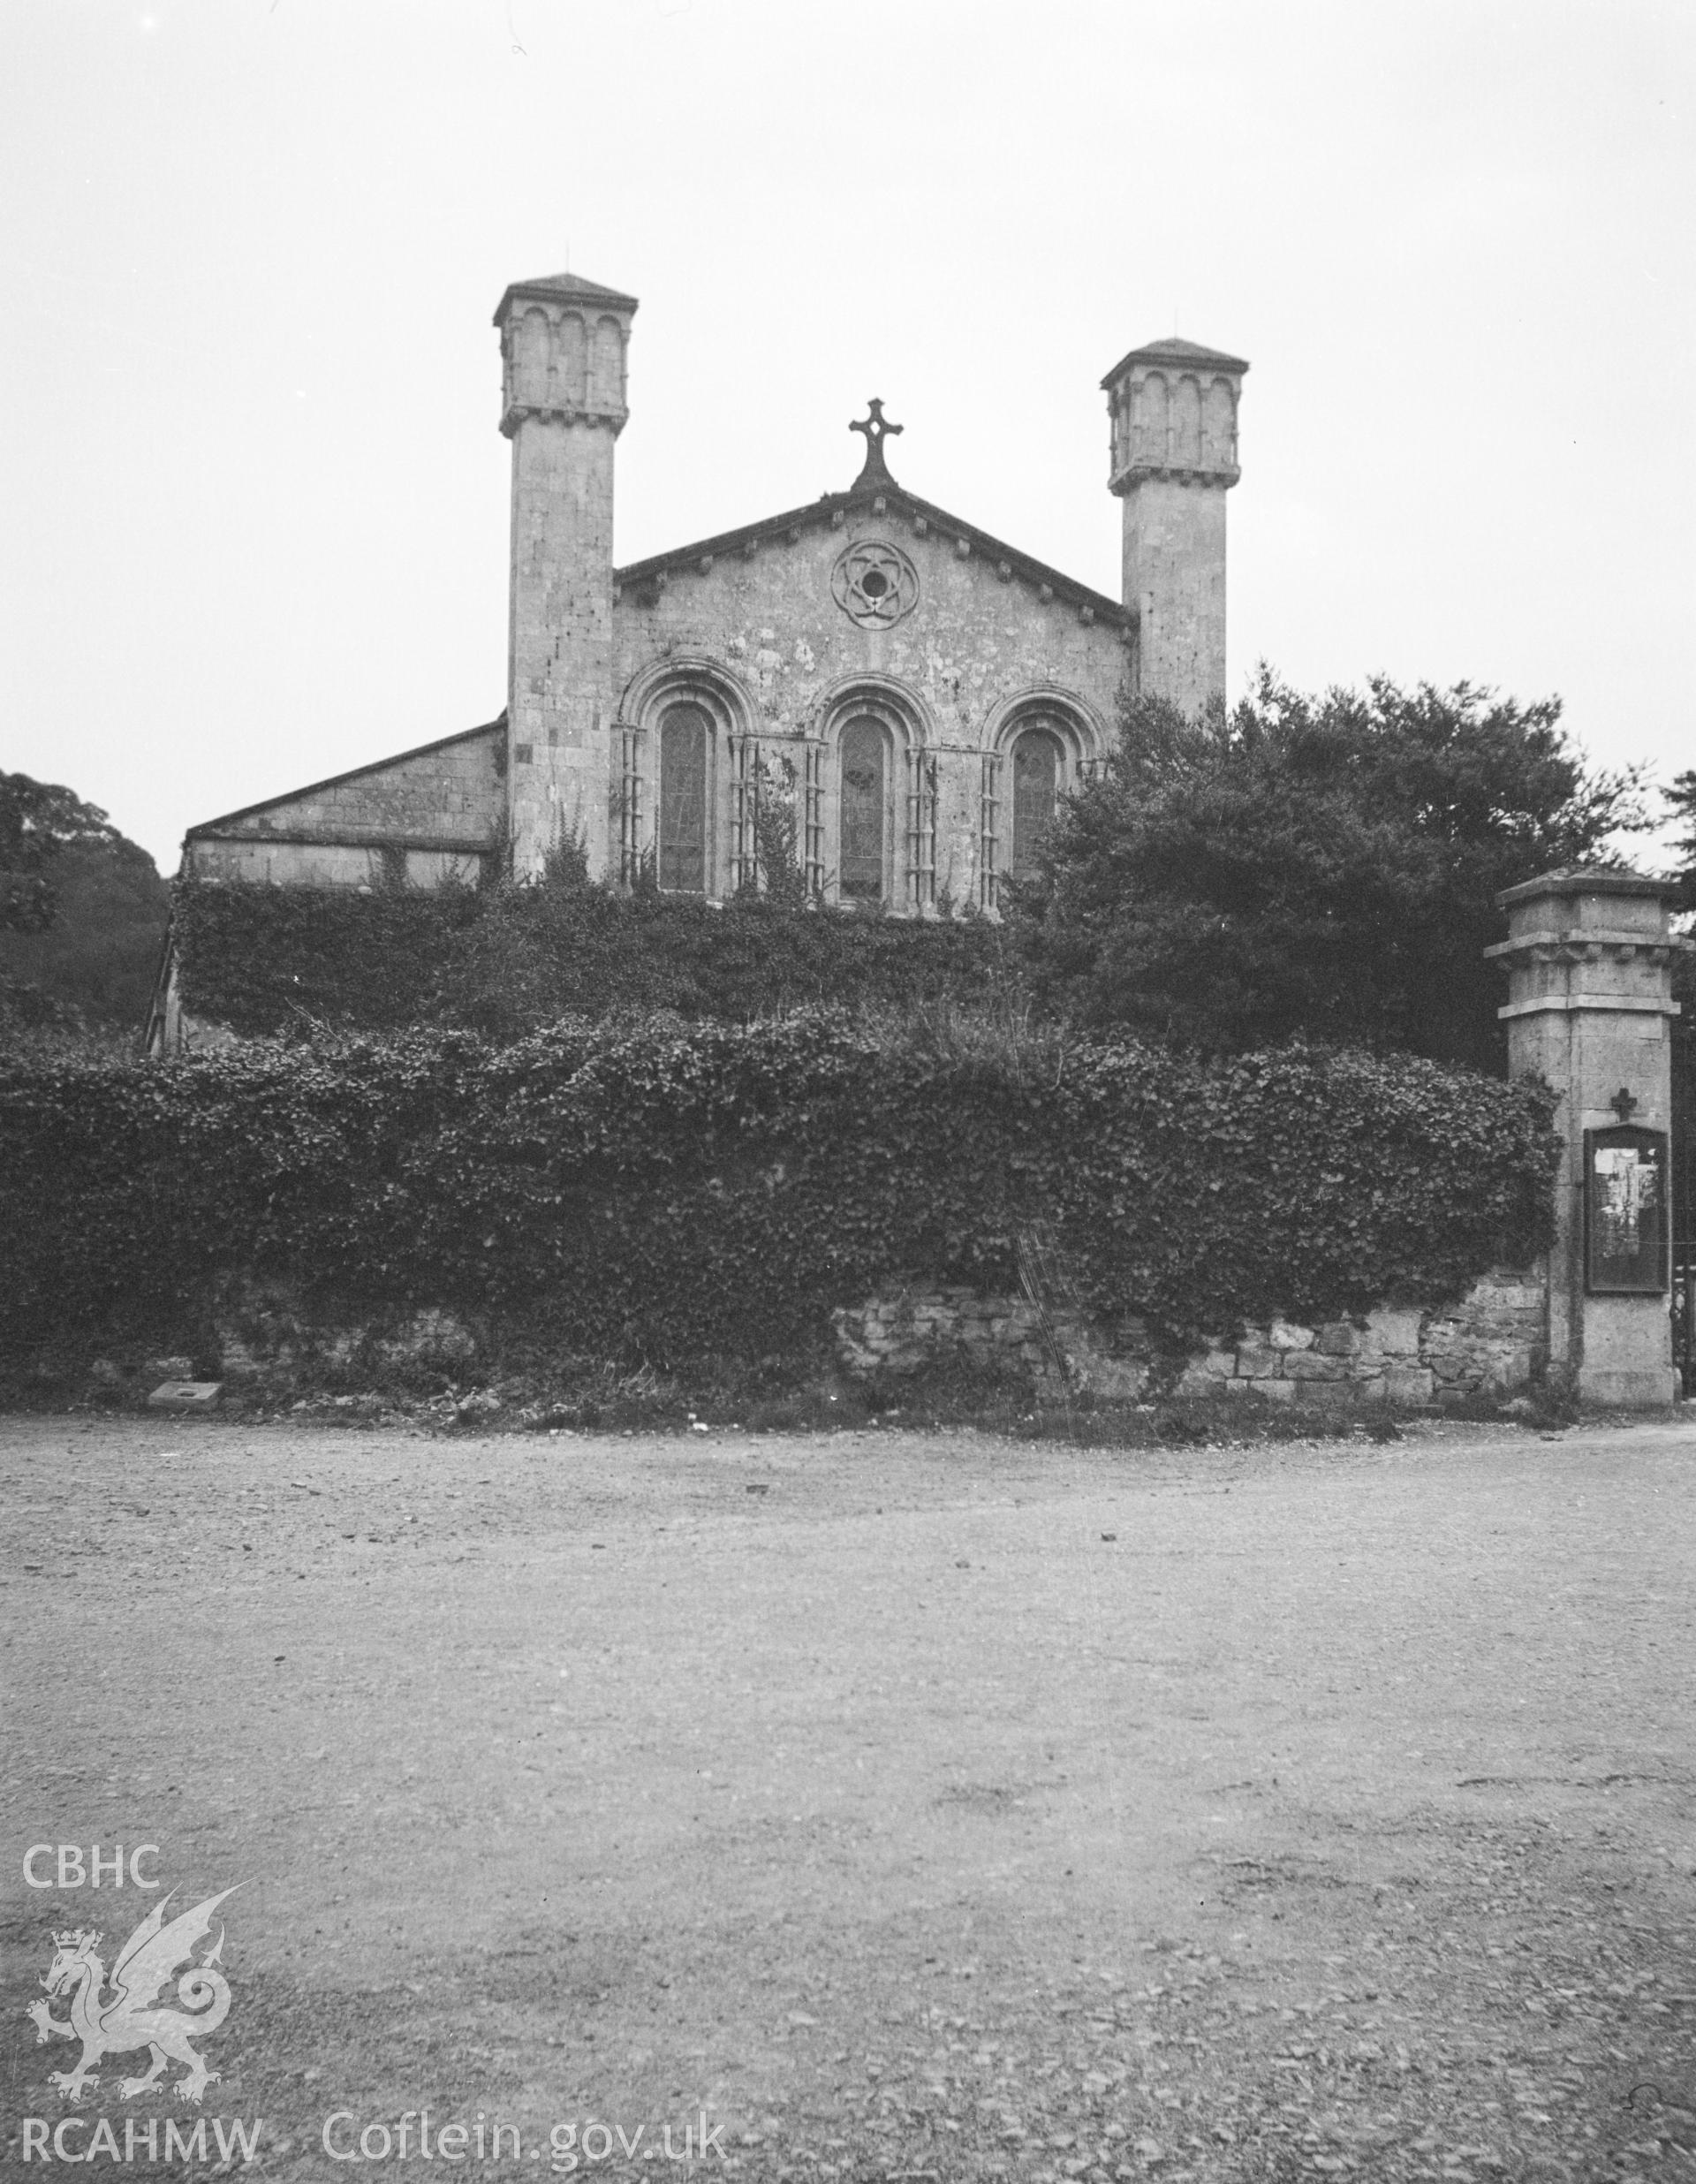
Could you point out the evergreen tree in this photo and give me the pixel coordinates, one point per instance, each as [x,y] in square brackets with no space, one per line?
[1681,802]
[1326,867]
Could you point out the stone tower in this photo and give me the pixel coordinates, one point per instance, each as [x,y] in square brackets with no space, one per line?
[1173,406]
[563,344]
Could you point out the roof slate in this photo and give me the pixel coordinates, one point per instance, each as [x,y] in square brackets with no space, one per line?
[230,819]
[565,288]
[1175,350]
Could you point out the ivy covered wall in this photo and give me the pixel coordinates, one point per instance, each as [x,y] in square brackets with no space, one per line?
[721,1191]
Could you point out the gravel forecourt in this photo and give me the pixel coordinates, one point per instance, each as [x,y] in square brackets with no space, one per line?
[880,1804]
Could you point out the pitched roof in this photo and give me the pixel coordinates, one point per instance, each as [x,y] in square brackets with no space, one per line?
[1174,349]
[896,499]
[565,288]
[497,726]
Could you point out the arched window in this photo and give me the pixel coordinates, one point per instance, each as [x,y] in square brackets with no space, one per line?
[861,860]
[1036,786]
[684,734]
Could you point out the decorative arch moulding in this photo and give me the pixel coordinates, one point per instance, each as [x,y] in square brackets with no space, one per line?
[901,708]
[1078,722]
[688,678]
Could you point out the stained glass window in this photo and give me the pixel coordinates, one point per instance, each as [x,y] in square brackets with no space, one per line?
[864,760]
[1036,784]
[682,800]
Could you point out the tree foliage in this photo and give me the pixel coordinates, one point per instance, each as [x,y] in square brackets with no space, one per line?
[1680,801]
[82,920]
[39,820]
[1325,867]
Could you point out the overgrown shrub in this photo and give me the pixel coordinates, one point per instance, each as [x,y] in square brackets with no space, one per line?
[37,1025]
[265,960]
[1318,867]
[509,959]
[718,1191]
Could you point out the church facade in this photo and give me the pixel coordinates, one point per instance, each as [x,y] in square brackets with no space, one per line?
[916,693]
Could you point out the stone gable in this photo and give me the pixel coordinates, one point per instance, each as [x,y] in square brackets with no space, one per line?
[432,812]
[976,637]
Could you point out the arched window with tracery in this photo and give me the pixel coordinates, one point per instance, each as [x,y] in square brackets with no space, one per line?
[862,860]
[684,740]
[1037,776]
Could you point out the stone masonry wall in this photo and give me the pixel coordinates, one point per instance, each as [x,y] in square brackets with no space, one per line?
[561,691]
[1175,574]
[1489,1342]
[444,805]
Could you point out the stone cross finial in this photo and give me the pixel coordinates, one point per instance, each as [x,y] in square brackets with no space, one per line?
[876,429]
[1623,1105]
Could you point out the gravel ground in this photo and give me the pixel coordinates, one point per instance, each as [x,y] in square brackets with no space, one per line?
[898,1805]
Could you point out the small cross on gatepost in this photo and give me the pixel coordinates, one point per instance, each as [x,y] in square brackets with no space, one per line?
[1623,1105]
[875,471]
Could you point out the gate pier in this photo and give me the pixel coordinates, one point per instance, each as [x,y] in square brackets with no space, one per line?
[1589,960]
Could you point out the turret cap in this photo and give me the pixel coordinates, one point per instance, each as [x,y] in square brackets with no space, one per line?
[564,288]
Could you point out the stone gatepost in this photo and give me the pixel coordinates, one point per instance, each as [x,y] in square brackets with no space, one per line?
[1589,962]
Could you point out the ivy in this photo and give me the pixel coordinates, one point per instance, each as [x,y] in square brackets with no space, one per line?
[508,960]
[264,960]
[718,1190]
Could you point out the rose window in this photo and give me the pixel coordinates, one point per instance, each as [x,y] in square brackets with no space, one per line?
[875,585]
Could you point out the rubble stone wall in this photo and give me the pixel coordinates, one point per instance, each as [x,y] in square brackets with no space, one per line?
[1492,1342]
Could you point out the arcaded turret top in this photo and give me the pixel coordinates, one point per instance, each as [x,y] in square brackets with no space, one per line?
[565,288]
[1174,349]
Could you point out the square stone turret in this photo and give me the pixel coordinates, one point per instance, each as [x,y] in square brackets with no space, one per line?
[563,344]
[1173,410]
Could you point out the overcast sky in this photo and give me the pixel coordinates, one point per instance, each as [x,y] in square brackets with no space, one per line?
[256,502]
